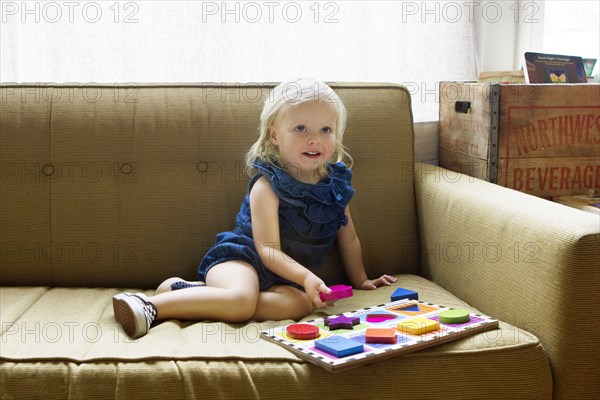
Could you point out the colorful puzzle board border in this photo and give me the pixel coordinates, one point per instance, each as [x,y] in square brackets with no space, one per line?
[406,343]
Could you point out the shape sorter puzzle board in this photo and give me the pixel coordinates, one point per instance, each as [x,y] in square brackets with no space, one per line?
[416,325]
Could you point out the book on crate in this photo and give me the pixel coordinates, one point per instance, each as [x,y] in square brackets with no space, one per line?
[554,68]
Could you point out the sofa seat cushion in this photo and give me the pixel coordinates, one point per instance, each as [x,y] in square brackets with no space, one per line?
[72,332]
[78,324]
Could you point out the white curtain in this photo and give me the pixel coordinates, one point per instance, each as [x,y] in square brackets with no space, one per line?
[415,43]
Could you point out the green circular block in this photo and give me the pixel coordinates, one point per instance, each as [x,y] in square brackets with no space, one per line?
[454,317]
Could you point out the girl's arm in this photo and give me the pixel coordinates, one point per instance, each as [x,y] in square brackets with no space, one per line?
[351,254]
[264,210]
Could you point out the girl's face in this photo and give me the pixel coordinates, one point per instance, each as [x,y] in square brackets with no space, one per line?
[305,134]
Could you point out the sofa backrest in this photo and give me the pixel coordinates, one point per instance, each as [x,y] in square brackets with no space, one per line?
[125,185]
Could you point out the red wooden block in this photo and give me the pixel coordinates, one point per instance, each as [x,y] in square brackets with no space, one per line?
[303,331]
[380,335]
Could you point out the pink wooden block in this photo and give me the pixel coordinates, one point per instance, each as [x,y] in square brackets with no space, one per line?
[337,292]
[377,318]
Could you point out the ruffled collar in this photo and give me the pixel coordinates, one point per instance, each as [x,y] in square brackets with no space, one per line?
[332,193]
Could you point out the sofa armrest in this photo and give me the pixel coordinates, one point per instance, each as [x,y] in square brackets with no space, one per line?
[528,261]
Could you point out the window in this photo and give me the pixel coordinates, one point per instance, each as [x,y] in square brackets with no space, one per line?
[572,28]
[410,42]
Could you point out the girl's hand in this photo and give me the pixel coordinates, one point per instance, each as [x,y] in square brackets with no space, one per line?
[383,280]
[313,286]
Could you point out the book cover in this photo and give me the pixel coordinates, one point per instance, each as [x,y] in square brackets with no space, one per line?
[554,68]
[588,64]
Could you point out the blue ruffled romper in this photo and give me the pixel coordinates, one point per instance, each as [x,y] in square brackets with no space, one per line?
[309,219]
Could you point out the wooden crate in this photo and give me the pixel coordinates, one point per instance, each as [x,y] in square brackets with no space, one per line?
[540,139]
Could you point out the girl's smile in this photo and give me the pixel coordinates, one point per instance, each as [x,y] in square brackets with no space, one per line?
[312,154]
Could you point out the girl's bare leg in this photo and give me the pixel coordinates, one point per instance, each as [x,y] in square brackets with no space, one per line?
[230,295]
[282,302]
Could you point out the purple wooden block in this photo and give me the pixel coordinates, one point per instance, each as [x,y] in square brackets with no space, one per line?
[341,322]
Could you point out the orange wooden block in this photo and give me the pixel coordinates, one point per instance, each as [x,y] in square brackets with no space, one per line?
[380,335]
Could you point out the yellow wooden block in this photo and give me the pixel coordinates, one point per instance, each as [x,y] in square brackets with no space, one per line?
[418,326]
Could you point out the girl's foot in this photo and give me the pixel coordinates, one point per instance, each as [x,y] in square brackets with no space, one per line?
[134,312]
[176,284]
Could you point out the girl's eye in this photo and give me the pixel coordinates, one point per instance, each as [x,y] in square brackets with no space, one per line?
[326,130]
[301,128]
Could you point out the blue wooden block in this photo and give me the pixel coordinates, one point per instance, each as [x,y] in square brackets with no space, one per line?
[402,293]
[414,308]
[339,346]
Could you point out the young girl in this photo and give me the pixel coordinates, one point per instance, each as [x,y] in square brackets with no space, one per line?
[295,208]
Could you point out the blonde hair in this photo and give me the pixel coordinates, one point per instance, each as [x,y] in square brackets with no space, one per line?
[290,93]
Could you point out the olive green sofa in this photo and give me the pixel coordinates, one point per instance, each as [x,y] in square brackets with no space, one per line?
[111,188]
